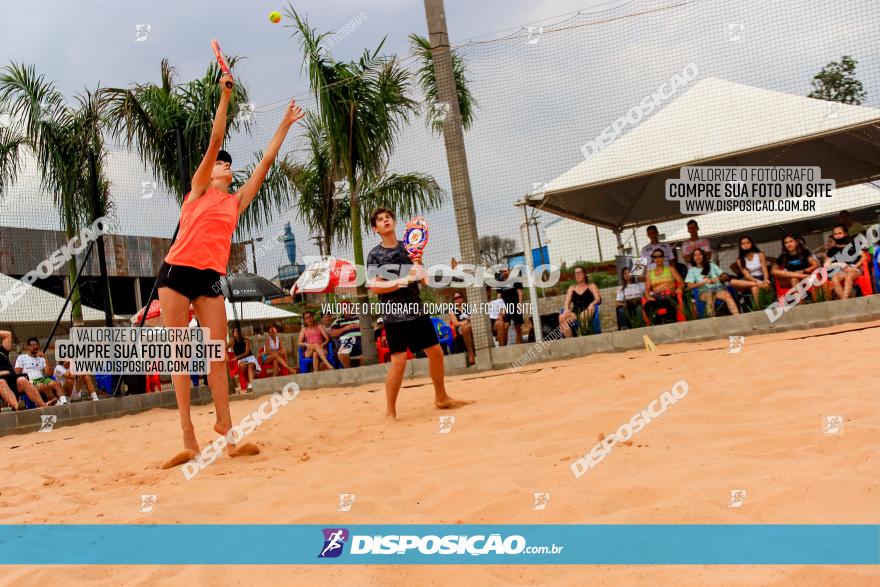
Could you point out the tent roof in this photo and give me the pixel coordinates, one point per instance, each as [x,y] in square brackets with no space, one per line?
[715,122]
[248,311]
[37,305]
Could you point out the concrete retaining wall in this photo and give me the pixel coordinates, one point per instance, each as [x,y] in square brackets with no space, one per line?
[799,318]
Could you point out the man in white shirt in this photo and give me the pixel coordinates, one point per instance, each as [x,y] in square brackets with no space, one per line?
[695,242]
[495,308]
[33,363]
[655,244]
[68,379]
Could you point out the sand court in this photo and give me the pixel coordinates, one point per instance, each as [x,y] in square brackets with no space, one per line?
[753,421]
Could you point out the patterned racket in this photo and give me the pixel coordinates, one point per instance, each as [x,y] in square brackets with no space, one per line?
[415,237]
[221,60]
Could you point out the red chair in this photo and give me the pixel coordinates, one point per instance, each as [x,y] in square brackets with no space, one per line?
[864,280]
[384,352]
[153,383]
[679,313]
[234,371]
[781,290]
[266,369]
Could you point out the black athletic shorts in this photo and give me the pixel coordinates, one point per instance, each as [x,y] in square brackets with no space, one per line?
[415,335]
[515,317]
[189,281]
[12,381]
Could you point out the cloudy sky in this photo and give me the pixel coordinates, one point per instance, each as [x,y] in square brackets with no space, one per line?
[540,101]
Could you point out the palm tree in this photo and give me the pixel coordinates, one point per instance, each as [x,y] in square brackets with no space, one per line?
[150,117]
[362,106]
[314,182]
[319,205]
[171,122]
[467,103]
[59,137]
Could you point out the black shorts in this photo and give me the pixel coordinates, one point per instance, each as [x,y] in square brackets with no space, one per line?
[515,317]
[415,335]
[189,281]
[12,382]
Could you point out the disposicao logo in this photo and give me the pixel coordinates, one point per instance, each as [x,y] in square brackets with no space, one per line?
[334,541]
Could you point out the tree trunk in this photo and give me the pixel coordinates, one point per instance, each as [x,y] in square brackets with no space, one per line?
[75,303]
[368,338]
[456,161]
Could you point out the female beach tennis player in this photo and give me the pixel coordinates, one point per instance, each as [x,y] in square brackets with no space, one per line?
[197,262]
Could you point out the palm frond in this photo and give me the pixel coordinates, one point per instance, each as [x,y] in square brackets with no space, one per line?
[427,81]
[408,194]
[12,146]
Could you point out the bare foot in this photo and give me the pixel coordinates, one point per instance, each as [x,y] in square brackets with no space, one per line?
[248,449]
[242,450]
[451,404]
[180,458]
[391,416]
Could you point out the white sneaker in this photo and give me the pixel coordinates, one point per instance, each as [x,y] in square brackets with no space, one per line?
[250,387]
[95,397]
[62,400]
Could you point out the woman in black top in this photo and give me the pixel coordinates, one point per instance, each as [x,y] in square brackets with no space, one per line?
[12,385]
[580,302]
[795,264]
[241,348]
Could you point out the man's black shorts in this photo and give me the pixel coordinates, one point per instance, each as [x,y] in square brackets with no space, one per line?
[515,317]
[12,381]
[415,335]
[190,282]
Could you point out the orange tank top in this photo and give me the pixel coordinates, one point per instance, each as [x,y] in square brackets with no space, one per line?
[205,236]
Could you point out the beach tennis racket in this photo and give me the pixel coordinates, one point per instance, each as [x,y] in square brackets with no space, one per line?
[415,237]
[221,60]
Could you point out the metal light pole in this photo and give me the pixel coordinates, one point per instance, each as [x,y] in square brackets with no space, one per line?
[533,290]
[259,239]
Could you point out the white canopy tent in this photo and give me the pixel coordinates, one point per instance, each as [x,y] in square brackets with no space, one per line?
[39,306]
[715,122]
[256,311]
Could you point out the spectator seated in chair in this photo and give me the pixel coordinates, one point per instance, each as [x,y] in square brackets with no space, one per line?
[247,362]
[460,321]
[13,386]
[706,278]
[34,364]
[794,264]
[346,334]
[69,381]
[581,300]
[753,271]
[312,340]
[273,353]
[629,299]
[662,283]
[842,281]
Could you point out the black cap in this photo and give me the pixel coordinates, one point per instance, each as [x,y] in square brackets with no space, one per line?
[224,156]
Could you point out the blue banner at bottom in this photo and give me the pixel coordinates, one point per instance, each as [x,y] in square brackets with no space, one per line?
[268,544]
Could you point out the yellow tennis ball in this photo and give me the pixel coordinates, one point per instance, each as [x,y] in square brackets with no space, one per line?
[275,17]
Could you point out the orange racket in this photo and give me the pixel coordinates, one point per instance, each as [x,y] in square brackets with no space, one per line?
[221,60]
[415,237]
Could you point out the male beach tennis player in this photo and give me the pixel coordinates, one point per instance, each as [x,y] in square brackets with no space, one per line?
[407,326]
[197,262]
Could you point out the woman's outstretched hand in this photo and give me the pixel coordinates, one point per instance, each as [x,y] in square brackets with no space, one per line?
[293,113]
[226,84]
